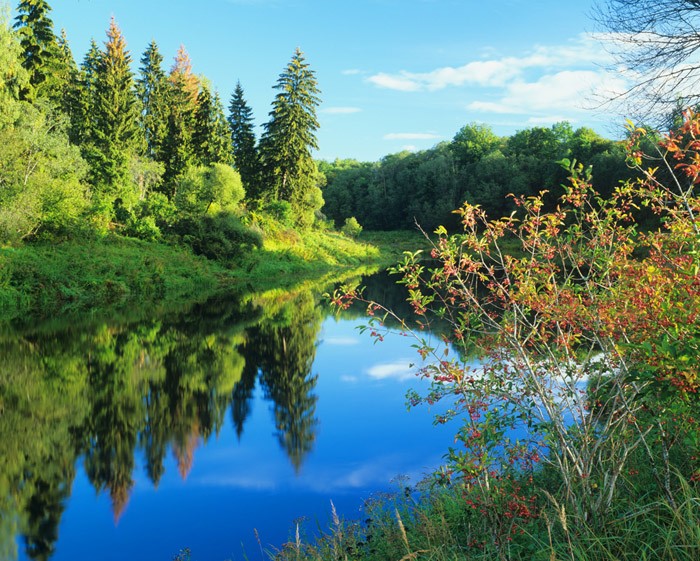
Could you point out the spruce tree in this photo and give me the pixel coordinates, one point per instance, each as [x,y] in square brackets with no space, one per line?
[289,170]
[178,152]
[69,77]
[81,98]
[38,42]
[115,132]
[211,140]
[245,152]
[153,91]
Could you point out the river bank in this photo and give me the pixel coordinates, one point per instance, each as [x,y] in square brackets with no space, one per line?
[89,275]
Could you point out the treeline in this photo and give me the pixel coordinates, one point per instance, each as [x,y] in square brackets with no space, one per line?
[476,166]
[153,154]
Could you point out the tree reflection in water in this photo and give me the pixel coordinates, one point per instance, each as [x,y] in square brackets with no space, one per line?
[106,392]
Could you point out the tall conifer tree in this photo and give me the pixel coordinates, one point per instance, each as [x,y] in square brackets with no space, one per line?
[153,90]
[184,90]
[211,139]
[115,132]
[38,42]
[67,70]
[245,152]
[81,98]
[289,136]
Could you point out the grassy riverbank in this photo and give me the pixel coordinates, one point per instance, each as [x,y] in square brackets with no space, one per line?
[445,524]
[100,273]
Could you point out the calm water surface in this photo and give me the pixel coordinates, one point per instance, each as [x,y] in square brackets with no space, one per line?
[132,440]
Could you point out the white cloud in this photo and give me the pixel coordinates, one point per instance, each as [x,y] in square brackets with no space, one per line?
[398,370]
[567,92]
[411,136]
[402,83]
[351,72]
[491,107]
[584,51]
[410,148]
[335,478]
[340,110]
[483,73]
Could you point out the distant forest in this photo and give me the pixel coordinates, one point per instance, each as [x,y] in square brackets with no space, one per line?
[423,188]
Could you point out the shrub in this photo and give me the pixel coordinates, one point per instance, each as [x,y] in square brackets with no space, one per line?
[574,340]
[351,228]
[280,211]
[221,236]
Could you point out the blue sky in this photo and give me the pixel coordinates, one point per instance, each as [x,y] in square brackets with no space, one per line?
[394,74]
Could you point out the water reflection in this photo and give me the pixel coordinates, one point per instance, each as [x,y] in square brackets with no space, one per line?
[105,395]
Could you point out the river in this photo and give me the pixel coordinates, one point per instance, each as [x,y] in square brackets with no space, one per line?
[217,428]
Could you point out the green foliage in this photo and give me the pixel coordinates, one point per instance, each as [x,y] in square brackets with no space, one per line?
[473,142]
[42,57]
[220,236]
[290,135]
[211,138]
[153,89]
[351,228]
[245,152]
[178,151]
[201,189]
[82,97]
[477,167]
[42,177]
[114,135]
[13,76]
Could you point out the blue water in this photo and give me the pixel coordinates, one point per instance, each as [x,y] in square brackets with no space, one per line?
[236,488]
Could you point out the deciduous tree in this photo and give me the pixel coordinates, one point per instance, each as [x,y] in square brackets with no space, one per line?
[655,45]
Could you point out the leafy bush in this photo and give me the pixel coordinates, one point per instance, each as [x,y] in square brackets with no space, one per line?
[221,236]
[41,175]
[280,211]
[202,188]
[351,228]
[584,340]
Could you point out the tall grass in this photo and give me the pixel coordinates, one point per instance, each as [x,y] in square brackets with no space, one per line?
[440,525]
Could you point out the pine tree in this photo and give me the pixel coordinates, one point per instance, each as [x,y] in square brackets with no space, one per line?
[81,98]
[38,42]
[69,77]
[153,91]
[211,140]
[115,132]
[289,170]
[245,153]
[178,153]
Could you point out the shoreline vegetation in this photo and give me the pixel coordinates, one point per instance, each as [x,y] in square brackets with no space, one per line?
[98,276]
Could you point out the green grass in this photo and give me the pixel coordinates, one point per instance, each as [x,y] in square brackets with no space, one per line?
[69,277]
[439,525]
[103,275]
